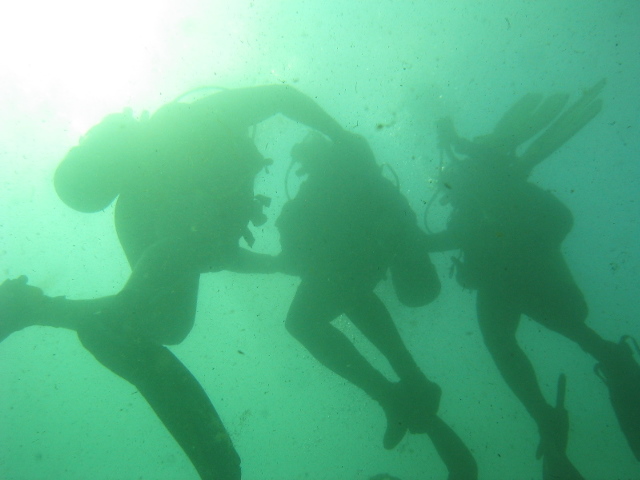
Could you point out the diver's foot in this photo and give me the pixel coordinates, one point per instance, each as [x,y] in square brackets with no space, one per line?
[553,443]
[621,373]
[409,407]
[395,432]
[424,400]
[554,437]
[19,305]
[556,466]
[395,408]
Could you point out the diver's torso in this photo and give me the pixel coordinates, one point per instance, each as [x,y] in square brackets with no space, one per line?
[511,239]
[194,179]
[342,229]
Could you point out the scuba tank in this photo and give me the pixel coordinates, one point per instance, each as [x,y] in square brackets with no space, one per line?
[91,175]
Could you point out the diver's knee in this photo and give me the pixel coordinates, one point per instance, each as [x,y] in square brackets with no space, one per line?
[99,333]
[129,356]
[173,333]
[162,326]
[500,345]
[298,328]
[110,347]
[294,327]
[580,311]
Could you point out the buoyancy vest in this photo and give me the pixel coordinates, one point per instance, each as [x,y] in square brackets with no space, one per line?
[182,167]
[504,243]
[351,228]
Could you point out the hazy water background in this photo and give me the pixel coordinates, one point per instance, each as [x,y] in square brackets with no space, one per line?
[395,64]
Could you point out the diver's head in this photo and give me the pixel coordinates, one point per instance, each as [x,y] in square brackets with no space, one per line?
[315,153]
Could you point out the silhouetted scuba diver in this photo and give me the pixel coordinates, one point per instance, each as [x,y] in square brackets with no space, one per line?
[510,232]
[346,227]
[184,186]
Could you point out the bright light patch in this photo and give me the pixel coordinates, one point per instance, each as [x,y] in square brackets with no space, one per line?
[78,47]
[78,58]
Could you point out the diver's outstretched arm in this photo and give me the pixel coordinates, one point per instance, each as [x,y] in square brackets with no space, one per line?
[246,261]
[440,242]
[244,107]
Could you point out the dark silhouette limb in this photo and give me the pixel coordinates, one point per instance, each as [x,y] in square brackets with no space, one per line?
[173,393]
[372,318]
[499,321]
[309,318]
[555,464]
[452,450]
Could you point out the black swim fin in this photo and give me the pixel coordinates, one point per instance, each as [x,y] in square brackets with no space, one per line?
[555,463]
[22,305]
[383,476]
[526,119]
[621,373]
[570,122]
[395,407]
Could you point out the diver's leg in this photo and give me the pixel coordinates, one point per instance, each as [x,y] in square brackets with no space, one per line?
[150,302]
[309,321]
[498,316]
[166,384]
[173,393]
[499,319]
[123,332]
[309,318]
[23,305]
[620,372]
[561,307]
[131,350]
[158,305]
[452,450]
[372,318]
[555,301]
[615,360]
